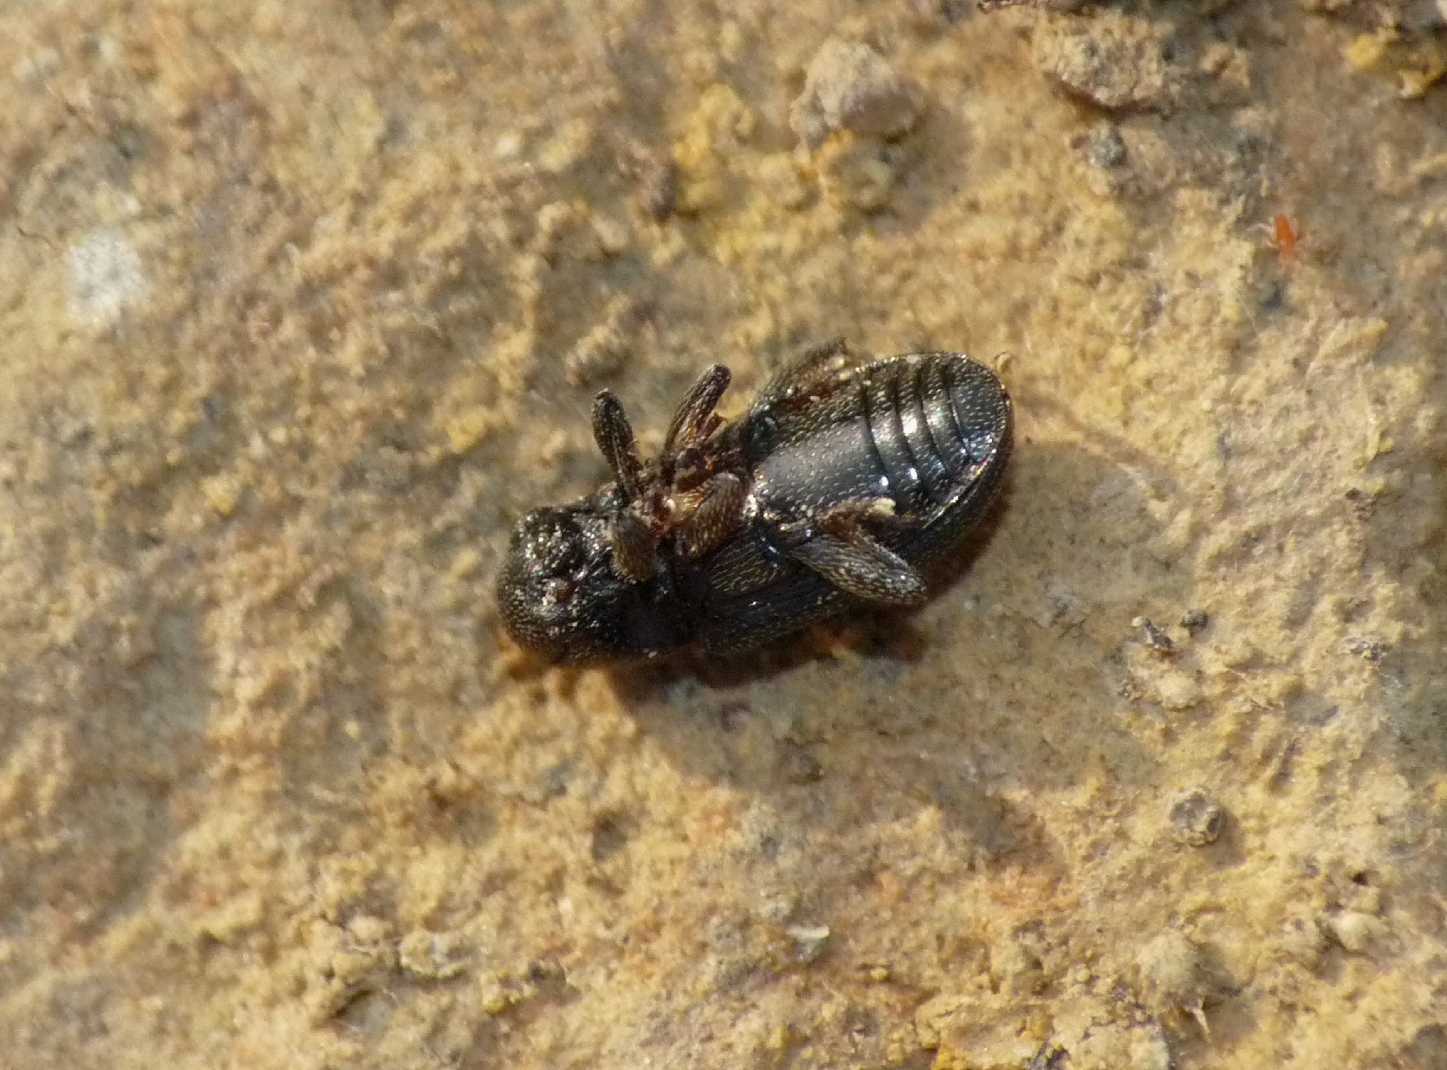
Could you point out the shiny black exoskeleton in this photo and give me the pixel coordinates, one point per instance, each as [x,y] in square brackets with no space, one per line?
[835,488]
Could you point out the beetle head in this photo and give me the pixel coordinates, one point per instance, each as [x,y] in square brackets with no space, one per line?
[562,594]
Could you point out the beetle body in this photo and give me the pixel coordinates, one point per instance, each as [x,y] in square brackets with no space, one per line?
[836,488]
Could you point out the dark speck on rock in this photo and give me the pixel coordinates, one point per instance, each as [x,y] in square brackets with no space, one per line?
[1104,147]
[658,190]
[1367,647]
[949,11]
[798,766]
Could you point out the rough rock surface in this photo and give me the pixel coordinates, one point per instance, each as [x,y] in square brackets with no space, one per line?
[302,305]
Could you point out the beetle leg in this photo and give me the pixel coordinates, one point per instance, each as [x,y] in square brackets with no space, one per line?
[633,547]
[813,367]
[614,435]
[840,550]
[857,564]
[694,421]
[716,516]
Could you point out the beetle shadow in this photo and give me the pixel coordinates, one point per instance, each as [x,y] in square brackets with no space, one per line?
[1004,689]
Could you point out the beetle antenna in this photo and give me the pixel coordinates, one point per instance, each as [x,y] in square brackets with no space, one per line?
[614,435]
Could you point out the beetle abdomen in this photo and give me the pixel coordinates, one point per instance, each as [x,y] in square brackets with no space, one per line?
[915,430]
[934,417]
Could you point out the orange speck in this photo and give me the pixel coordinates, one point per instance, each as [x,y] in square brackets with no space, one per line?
[1284,236]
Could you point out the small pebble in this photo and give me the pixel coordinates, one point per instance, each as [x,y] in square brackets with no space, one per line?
[1174,689]
[658,189]
[106,277]
[810,941]
[1194,620]
[1355,930]
[1155,638]
[509,146]
[1368,648]
[1174,977]
[1116,62]
[849,86]
[1104,147]
[1302,942]
[1196,819]
[223,494]
[429,955]
[612,234]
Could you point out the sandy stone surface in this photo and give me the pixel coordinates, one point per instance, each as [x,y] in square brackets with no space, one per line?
[301,305]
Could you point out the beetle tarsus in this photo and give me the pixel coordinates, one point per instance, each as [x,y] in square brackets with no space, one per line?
[695,421]
[812,367]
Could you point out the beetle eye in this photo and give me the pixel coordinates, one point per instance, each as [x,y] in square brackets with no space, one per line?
[559,591]
[554,542]
[560,555]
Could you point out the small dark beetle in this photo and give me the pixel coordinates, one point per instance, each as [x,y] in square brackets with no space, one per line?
[834,489]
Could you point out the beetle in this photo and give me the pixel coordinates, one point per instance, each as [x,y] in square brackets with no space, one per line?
[838,487]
